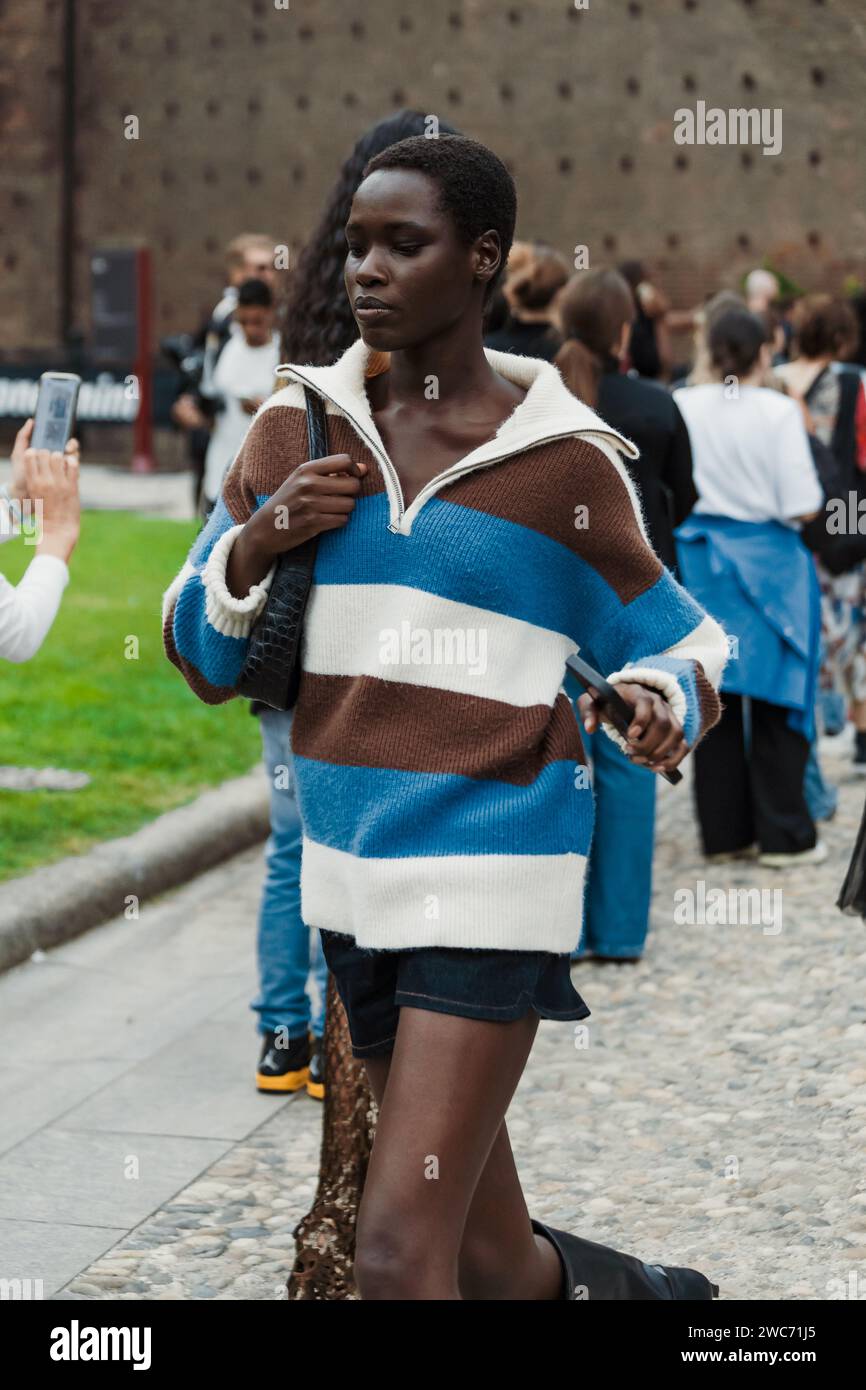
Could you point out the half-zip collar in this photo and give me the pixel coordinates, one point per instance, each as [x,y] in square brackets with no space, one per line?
[548,411]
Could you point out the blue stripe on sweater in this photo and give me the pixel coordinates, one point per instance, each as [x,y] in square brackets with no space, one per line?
[381,813]
[684,671]
[554,589]
[219,521]
[217,657]
[660,618]
[556,586]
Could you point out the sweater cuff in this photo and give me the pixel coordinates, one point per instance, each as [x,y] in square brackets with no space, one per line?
[50,564]
[233,617]
[664,682]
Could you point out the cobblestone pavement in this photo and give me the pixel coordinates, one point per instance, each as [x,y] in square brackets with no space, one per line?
[715,1116]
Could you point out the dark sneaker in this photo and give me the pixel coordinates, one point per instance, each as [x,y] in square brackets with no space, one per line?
[816,855]
[860,753]
[316,1078]
[284,1064]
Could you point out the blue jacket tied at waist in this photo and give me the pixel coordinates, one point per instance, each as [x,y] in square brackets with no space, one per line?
[758,580]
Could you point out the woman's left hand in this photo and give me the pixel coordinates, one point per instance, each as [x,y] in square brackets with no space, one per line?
[655,736]
[19,449]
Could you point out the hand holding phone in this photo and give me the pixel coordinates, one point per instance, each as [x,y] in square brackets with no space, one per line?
[615,708]
[55,411]
[52,483]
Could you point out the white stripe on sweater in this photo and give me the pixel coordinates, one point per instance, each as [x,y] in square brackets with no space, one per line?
[398,633]
[708,644]
[171,594]
[446,900]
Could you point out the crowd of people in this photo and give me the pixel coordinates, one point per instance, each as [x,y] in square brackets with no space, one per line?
[740,451]
[708,480]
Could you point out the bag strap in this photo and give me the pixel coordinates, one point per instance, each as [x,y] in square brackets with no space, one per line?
[270,674]
[317,425]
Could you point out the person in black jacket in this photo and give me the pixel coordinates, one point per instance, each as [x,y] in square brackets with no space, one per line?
[596,312]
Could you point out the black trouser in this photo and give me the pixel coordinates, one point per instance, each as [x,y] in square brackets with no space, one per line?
[751,788]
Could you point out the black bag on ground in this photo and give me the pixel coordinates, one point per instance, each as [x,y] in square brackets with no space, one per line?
[852,895]
[272,670]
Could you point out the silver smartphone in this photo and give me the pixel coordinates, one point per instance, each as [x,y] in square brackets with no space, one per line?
[54,419]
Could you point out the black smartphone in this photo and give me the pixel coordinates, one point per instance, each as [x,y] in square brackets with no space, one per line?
[618,710]
[54,418]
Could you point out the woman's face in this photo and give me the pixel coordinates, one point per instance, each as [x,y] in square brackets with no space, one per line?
[405,255]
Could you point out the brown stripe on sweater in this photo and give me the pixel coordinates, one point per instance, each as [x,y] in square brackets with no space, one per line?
[275,446]
[709,704]
[543,487]
[210,694]
[368,722]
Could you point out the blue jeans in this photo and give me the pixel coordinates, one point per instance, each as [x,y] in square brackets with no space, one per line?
[831,711]
[822,797]
[619,883]
[288,951]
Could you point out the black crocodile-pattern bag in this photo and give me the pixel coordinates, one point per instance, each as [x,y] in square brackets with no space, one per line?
[272,670]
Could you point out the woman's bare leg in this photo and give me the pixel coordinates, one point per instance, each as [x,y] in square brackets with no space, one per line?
[443,1215]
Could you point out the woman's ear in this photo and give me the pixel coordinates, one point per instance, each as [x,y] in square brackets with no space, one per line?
[488,256]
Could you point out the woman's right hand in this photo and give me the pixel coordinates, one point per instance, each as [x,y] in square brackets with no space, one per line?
[317,496]
[51,481]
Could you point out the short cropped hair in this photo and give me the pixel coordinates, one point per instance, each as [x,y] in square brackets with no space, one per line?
[475,188]
[255,291]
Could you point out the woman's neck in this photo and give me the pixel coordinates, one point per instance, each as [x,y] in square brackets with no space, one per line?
[531,315]
[755,377]
[454,363]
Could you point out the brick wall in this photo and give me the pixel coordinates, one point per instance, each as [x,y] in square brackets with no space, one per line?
[30,116]
[245,112]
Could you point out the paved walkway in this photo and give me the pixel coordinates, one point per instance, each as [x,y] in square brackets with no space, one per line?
[716,1117]
[117,489]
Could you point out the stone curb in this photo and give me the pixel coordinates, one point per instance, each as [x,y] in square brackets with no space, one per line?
[62,900]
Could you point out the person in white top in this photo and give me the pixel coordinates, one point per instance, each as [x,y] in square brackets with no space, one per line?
[50,481]
[751,459]
[752,466]
[242,379]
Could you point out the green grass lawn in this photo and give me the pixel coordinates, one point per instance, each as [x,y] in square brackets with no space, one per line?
[133,725]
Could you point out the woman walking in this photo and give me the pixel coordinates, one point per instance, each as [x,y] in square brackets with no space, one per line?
[445,831]
[596,311]
[319,326]
[741,555]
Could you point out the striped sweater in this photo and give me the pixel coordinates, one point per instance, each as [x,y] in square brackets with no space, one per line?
[438,761]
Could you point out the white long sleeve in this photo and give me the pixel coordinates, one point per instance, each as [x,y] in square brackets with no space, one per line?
[28,609]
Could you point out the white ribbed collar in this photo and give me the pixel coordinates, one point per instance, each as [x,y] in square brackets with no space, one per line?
[548,411]
[548,408]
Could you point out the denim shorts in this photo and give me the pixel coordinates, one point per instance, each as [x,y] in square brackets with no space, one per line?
[498,986]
